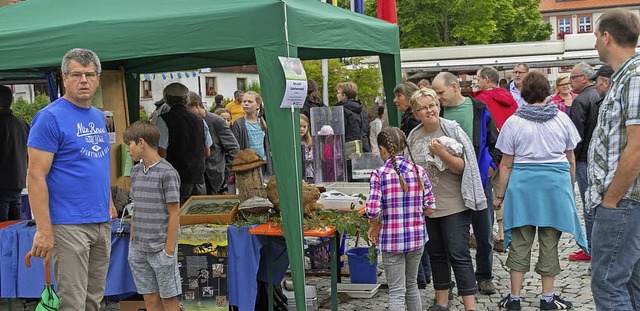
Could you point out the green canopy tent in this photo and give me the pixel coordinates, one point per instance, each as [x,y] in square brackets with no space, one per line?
[146,36]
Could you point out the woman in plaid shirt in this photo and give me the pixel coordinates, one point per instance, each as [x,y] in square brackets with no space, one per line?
[400,198]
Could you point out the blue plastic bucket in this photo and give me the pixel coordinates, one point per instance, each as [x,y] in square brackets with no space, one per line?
[359,268]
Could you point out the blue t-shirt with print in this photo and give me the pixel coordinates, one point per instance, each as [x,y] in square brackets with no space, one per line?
[78,181]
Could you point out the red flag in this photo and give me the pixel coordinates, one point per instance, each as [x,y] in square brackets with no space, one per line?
[387,11]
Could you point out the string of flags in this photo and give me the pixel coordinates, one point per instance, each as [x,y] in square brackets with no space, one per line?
[169,75]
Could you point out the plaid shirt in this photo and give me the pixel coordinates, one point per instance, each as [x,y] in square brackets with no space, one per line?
[403,225]
[619,109]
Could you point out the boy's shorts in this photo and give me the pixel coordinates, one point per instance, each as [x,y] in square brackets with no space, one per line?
[155,272]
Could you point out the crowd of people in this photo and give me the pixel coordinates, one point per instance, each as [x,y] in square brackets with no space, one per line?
[517,151]
[456,164]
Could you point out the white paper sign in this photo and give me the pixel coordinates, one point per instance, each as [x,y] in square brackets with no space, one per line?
[296,82]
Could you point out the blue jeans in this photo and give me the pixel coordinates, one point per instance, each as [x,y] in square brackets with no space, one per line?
[482,223]
[449,249]
[615,257]
[10,204]
[587,212]
[424,268]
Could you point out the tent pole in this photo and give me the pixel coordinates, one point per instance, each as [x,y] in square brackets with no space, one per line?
[287,164]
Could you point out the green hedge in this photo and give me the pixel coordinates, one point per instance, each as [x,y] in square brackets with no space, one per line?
[26,110]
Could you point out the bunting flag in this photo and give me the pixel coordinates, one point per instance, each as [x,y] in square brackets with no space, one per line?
[169,75]
[387,11]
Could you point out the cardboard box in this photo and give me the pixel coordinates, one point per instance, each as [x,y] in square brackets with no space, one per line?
[132,305]
[223,219]
[204,277]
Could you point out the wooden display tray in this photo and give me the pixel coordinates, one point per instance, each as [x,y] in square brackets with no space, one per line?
[215,219]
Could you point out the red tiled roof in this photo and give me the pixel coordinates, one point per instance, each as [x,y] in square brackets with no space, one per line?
[572,5]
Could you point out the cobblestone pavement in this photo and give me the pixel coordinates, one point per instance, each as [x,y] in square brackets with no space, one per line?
[573,284]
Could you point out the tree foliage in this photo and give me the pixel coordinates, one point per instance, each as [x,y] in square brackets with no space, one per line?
[428,23]
[26,110]
[367,78]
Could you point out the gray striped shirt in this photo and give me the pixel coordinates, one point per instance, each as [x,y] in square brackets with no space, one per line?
[151,191]
[619,109]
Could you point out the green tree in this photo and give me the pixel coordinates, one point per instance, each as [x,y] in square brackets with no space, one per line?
[367,78]
[428,23]
[26,110]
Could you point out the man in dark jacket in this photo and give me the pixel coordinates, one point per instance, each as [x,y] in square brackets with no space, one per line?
[184,141]
[13,157]
[474,118]
[584,114]
[224,147]
[403,92]
[501,106]
[356,120]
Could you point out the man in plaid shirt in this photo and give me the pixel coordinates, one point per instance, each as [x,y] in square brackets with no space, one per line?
[614,184]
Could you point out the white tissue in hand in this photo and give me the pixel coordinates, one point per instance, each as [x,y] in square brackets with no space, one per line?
[451,145]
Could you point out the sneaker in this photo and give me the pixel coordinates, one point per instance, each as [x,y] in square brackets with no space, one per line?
[580,256]
[498,246]
[472,241]
[556,304]
[486,287]
[508,304]
[437,307]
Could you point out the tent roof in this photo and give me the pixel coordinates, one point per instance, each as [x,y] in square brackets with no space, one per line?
[164,35]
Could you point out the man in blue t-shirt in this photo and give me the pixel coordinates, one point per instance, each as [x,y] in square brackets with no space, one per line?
[69,175]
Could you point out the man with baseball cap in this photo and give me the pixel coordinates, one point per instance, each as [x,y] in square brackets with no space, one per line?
[601,78]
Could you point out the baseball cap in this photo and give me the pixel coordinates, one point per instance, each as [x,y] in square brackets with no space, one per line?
[604,71]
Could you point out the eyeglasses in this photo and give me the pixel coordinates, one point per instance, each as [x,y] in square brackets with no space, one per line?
[429,106]
[564,84]
[91,75]
[577,76]
[519,72]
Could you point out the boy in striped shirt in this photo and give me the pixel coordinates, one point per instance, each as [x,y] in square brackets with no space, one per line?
[155,189]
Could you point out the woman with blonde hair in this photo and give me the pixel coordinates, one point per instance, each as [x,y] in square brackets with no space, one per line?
[564,96]
[458,191]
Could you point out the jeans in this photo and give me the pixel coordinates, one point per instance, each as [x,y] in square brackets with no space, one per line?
[482,223]
[615,258]
[587,212]
[448,248]
[10,204]
[424,268]
[401,270]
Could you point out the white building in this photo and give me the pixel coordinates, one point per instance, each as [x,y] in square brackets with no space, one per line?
[206,82]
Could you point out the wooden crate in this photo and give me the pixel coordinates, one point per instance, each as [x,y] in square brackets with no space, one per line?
[224,219]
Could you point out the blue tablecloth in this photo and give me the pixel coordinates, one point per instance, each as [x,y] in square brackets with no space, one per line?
[247,264]
[18,281]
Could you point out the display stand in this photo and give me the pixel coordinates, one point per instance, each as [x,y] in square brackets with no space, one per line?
[273,230]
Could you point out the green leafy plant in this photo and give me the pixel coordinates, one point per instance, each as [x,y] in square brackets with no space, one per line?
[26,110]
[254,85]
[143,114]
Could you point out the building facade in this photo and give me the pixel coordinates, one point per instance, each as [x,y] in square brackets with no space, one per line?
[579,16]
